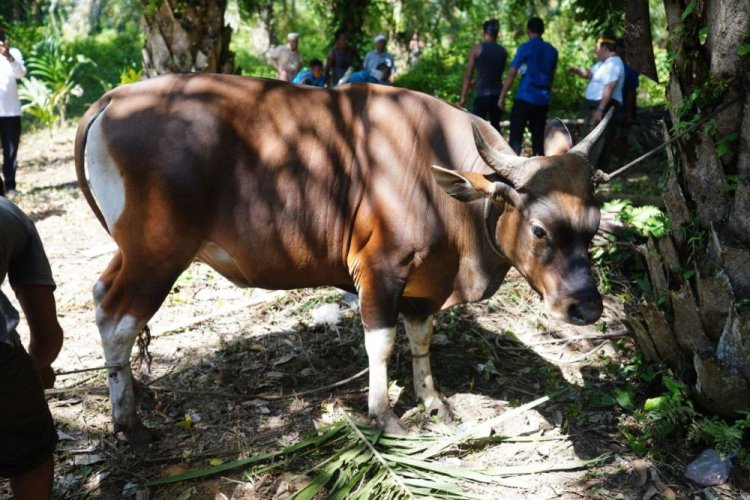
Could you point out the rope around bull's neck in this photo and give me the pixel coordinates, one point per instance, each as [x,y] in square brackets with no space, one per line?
[602,177]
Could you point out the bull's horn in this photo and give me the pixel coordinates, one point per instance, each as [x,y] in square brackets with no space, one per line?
[584,147]
[509,166]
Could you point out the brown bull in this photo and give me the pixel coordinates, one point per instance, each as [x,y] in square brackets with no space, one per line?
[279,186]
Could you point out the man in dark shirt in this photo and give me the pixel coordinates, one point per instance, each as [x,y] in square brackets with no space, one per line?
[27,433]
[489,60]
[536,60]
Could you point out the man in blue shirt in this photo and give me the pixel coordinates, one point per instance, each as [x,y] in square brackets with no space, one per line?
[536,60]
[312,76]
[380,75]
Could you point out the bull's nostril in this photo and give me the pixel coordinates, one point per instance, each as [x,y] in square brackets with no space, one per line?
[574,314]
[583,313]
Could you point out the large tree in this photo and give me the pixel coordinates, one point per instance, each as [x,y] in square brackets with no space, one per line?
[185,36]
[697,318]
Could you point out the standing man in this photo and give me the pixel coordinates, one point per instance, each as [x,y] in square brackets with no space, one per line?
[11,69]
[606,77]
[286,58]
[489,59]
[27,433]
[341,59]
[604,91]
[376,57]
[536,60]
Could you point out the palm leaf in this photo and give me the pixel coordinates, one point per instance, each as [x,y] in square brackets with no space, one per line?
[352,461]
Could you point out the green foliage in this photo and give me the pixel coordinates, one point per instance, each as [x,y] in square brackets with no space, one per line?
[112,53]
[647,220]
[52,81]
[729,440]
[659,419]
[435,75]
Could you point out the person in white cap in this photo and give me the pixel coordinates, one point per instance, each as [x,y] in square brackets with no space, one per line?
[374,58]
[286,58]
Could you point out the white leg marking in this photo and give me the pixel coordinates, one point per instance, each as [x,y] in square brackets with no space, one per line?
[118,336]
[420,335]
[99,292]
[105,178]
[379,344]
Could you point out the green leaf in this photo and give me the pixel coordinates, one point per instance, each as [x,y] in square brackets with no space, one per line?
[624,397]
[703,36]
[744,49]
[653,404]
[689,9]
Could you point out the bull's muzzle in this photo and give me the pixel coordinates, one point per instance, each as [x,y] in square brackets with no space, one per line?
[585,312]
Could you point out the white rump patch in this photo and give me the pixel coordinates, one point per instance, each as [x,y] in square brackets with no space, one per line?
[104,177]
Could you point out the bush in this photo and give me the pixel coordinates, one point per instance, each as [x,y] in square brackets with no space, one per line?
[112,54]
[440,76]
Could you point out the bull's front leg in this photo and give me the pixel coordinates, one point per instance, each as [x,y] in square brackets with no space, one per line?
[378,300]
[379,344]
[419,331]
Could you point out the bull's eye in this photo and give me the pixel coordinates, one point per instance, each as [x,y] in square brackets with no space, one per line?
[538,231]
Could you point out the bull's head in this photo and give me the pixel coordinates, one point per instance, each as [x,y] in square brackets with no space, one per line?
[545,217]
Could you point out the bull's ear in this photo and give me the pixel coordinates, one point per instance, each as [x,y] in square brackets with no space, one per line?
[464,186]
[469,186]
[557,139]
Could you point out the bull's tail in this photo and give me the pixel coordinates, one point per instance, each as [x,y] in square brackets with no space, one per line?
[89,117]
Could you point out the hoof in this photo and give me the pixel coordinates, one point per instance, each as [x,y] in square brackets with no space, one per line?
[438,407]
[390,423]
[138,436]
[394,427]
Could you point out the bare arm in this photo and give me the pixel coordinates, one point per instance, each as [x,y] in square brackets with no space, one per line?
[329,68]
[582,72]
[512,72]
[38,304]
[473,55]
[606,99]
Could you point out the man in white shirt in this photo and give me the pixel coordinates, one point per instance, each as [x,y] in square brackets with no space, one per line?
[604,91]
[11,69]
[379,55]
[286,58]
[606,77]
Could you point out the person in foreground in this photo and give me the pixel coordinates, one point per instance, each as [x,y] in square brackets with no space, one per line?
[27,432]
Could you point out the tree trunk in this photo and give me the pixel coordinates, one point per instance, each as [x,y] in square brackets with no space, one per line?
[350,16]
[186,36]
[700,274]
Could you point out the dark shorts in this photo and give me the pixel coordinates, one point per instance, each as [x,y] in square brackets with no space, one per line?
[27,433]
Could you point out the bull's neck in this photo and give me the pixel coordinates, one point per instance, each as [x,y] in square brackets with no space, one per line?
[489,222]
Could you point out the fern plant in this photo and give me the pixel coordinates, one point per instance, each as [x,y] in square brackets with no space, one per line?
[52,81]
[730,440]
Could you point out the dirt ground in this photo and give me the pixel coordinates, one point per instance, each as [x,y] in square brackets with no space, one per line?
[251,369]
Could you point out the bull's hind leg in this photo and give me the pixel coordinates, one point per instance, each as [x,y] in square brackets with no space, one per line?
[419,331]
[127,295]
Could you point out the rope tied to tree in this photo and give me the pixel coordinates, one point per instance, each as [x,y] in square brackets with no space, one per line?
[603,177]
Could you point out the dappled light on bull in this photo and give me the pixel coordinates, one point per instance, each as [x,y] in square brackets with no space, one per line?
[280,186]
